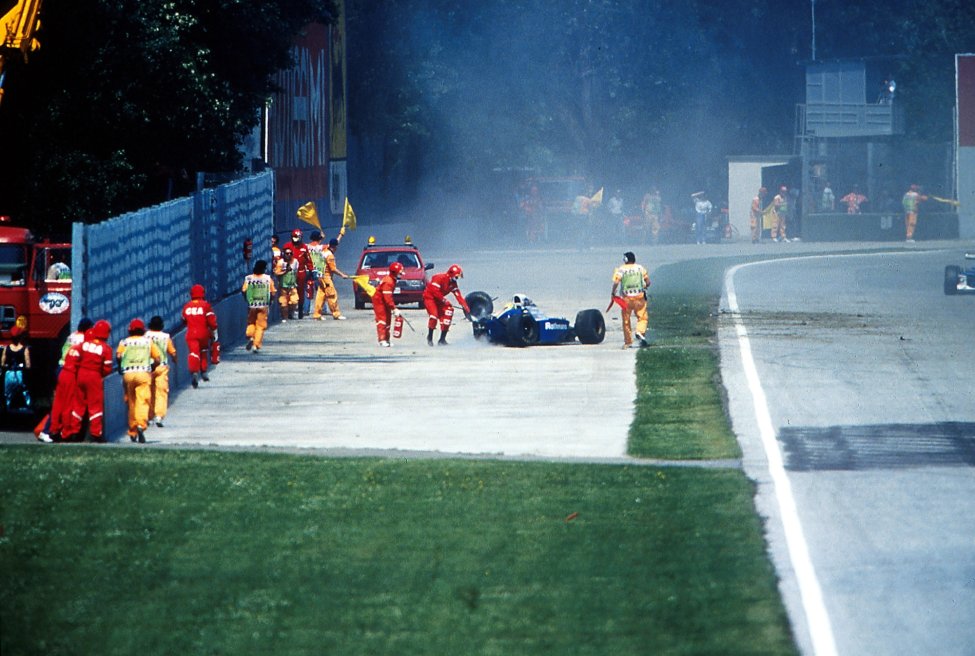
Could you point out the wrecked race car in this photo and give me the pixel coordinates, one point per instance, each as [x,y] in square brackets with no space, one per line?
[521,323]
[960,280]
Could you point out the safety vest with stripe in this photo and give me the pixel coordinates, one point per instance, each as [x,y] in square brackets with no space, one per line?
[632,279]
[161,340]
[137,355]
[258,292]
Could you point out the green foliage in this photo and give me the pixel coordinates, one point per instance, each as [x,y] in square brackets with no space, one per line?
[125,96]
[625,90]
[124,551]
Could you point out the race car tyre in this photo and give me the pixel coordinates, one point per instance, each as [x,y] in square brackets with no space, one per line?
[590,326]
[951,279]
[522,330]
[480,330]
[480,304]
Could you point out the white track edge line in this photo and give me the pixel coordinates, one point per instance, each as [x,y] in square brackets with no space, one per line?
[810,592]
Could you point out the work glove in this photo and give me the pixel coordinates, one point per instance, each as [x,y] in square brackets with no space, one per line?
[216,336]
[396,312]
[467,315]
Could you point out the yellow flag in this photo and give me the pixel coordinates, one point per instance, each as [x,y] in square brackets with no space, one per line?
[348,216]
[597,198]
[946,200]
[363,281]
[309,214]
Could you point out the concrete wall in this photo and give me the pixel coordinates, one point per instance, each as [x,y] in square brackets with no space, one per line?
[143,264]
[966,193]
[877,227]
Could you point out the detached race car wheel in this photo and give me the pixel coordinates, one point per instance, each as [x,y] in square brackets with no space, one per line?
[480,304]
[522,330]
[590,327]
[951,279]
[480,330]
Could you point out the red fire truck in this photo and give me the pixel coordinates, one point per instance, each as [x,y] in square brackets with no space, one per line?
[35,293]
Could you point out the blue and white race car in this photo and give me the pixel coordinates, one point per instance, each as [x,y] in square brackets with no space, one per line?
[522,323]
[959,280]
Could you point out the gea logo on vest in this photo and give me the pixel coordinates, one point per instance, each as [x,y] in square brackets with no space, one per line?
[54,303]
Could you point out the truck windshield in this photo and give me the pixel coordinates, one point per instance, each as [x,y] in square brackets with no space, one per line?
[13,264]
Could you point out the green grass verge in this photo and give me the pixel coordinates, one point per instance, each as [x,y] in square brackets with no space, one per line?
[679,409]
[110,551]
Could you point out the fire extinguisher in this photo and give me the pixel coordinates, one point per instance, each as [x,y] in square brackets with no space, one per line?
[214,347]
[398,326]
[448,315]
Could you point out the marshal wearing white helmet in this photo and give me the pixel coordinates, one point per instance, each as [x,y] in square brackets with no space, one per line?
[438,307]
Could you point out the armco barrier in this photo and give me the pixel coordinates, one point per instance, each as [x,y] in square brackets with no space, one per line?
[886,226]
[143,264]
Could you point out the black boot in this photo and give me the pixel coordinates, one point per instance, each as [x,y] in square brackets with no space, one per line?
[430,337]
[443,338]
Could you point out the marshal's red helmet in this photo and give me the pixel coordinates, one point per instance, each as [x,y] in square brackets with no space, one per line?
[396,269]
[455,271]
[296,234]
[101,330]
[136,325]
[197,291]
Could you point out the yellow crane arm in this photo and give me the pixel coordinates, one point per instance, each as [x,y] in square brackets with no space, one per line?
[17,28]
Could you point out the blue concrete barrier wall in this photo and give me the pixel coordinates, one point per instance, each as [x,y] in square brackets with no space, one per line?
[143,264]
[877,227]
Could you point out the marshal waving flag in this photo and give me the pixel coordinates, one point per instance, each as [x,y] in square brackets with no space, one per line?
[348,216]
[309,214]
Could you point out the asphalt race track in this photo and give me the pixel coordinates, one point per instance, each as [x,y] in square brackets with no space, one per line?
[867,370]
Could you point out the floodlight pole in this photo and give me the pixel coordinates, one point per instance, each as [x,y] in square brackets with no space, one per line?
[813,6]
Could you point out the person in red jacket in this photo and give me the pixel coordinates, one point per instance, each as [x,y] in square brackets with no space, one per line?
[65,385]
[383,305]
[306,269]
[201,329]
[94,363]
[437,305]
[64,395]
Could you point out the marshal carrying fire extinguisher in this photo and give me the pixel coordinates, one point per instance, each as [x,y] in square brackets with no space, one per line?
[398,326]
[448,315]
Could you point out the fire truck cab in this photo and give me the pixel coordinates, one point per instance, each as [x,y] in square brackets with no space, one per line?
[35,285]
[35,293]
